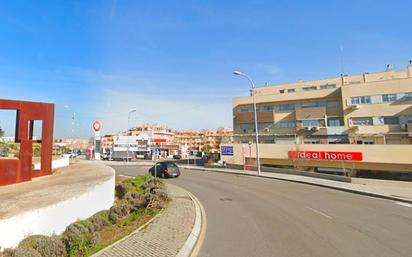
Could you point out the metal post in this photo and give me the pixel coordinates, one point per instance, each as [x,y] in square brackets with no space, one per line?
[255,114]
[257,131]
[127,132]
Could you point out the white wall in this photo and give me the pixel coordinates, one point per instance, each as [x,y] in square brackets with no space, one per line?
[54,219]
[58,163]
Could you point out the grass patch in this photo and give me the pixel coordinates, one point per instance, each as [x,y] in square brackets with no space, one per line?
[114,233]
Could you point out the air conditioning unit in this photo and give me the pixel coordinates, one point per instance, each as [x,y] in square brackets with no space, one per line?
[404,126]
[307,128]
[267,130]
[315,128]
[355,106]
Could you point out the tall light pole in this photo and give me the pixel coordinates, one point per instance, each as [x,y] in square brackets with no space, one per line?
[256,124]
[128,126]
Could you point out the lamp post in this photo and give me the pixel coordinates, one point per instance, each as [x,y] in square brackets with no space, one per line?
[128,126]
[255,113]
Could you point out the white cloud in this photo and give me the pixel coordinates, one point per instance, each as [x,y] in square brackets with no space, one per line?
[178,110]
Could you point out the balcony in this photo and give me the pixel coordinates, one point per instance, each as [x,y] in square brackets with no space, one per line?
[311,113]
[339,130]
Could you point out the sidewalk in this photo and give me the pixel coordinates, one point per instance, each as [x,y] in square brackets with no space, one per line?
[165,236]
[384,190]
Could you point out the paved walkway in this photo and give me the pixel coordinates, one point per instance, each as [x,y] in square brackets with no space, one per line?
[400,191]
[165,236]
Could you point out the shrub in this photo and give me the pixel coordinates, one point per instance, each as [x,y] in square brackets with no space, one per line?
[26,252]
[151,185]
[43,246]
[8,252]
[99,220]
[135,200]
[120,190]
[117,212]
[79,236]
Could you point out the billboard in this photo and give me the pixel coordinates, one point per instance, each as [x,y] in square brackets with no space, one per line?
[227,150]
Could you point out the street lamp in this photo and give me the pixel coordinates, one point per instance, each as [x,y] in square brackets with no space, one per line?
[128,126]
[256,124]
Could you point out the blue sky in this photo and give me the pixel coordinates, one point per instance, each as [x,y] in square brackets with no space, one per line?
[172,61]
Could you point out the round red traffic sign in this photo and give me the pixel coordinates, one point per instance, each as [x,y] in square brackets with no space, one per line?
[97,125]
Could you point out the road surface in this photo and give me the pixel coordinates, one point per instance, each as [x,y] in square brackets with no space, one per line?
[251,216]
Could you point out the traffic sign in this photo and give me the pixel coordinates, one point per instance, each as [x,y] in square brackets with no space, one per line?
[97,125]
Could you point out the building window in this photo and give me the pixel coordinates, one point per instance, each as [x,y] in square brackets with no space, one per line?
[327,86]
[246,109]
[388,98]
[286,107]
[264,125]
[309,88]
[365,142]
[311,123]
[332,104]
[267,108]
[335,122]
[309,105]
[364,121]
[390,120]
[407,97]
[244,127]
[311,141]
[282,91]
[291,90]
[360,100]
[285,124]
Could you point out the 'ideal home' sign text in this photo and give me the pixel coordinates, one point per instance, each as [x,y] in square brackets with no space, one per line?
[322,155]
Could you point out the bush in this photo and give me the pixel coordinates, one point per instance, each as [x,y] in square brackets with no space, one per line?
[151,185]
[8,252]
[120,190]
[43,246]
[79,236]
[26,252]
[99,220]
[117,212]
[135,200]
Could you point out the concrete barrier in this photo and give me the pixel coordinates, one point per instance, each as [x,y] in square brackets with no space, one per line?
[57,163]
[94,195]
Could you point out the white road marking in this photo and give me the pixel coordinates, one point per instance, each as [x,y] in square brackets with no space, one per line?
[404,204]
[319,212]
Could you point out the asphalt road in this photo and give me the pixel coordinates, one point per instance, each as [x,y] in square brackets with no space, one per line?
[250,216]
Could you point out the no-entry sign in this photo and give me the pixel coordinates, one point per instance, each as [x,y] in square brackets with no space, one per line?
[97,125]
[330,156]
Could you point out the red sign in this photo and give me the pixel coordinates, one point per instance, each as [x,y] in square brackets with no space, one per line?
[159,140]
[322,155]
[97,125]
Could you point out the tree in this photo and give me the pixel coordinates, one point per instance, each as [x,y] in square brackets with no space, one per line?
[206,148]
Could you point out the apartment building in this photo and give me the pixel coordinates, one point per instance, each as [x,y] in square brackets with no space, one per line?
[190,139]
[344,113]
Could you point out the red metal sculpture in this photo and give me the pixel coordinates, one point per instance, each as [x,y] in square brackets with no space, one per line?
[18,170]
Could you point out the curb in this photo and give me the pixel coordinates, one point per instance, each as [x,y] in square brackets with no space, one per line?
[126,237]
[309,183]
[195,239]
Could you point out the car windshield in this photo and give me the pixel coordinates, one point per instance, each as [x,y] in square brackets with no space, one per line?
[171,165]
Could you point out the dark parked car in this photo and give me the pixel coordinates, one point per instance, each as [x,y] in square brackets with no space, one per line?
[177,156]
[165,169]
